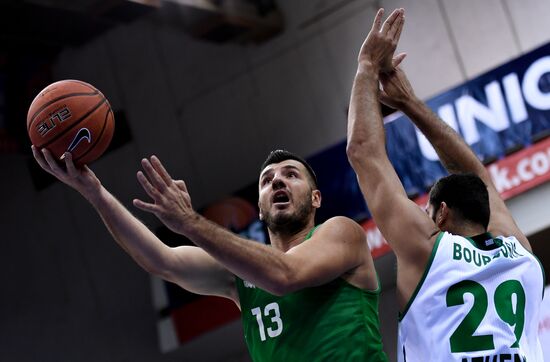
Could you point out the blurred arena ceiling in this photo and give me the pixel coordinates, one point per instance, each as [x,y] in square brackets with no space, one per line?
[34,32]
[50,25]
[29,26]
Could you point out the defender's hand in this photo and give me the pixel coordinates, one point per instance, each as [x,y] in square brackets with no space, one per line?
[396,89]
[379,46]
[171,200]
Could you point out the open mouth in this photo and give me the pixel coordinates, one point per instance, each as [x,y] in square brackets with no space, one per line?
[280,197]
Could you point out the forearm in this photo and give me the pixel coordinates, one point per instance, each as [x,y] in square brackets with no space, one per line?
[366,135]
[259,264]
[455,155]
[130,233]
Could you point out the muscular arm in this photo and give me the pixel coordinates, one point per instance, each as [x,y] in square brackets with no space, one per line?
[455,155]
[335,248]
[189,267]
[406,227]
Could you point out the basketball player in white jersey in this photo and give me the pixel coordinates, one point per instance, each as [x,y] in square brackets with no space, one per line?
[468,287]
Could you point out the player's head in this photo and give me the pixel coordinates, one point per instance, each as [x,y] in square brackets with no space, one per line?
[465,195]
[288,194]
[277,156]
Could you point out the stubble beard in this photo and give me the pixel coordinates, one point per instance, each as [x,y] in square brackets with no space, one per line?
[290,224]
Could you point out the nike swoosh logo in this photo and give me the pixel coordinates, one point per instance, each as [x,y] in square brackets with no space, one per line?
[82,134]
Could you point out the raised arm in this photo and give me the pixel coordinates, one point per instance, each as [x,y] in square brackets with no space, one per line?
[190,267]
[455,155]
[337,247]
[406,227]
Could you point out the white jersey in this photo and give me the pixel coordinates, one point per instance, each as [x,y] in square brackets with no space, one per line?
[478,301]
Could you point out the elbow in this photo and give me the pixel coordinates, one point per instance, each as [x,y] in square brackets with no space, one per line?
[357,152]
[158,268]
[283,284]
[353,151]
[363,153]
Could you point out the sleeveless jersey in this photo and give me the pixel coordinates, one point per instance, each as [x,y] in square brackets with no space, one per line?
[478,301]
[332,322]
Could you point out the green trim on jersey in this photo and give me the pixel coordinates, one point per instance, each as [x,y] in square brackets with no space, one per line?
[541,269]
[310,234]
[421,282]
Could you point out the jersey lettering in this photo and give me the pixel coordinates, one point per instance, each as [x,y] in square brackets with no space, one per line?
[473,256]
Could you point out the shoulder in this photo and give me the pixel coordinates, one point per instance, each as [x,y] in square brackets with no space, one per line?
[341,222]
[343,228]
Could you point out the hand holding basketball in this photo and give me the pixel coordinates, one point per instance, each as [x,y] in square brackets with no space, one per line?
[81,179]
[71,116]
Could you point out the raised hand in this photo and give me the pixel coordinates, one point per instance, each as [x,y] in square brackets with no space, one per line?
[396,89]
[379,46]
[171,201]
[82,179]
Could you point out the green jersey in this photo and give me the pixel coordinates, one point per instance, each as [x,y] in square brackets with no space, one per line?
[332,322]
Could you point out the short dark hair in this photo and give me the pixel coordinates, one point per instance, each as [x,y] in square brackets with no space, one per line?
[277,156]
[465,194]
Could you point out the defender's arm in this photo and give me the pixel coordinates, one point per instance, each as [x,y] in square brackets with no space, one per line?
[454,153]
[406,227]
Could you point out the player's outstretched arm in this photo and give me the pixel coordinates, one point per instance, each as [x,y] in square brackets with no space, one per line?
[455,155]
[406,227]
[335,248]
[189,267]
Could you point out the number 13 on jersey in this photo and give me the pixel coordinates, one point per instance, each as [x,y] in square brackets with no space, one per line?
[270,312]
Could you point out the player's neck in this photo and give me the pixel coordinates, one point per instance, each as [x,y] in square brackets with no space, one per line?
[284,242]
[466,229]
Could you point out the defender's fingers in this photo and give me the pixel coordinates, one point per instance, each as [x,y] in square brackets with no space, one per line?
[398,27]
[377,23]
[388,24]
[159,167]
[398,59]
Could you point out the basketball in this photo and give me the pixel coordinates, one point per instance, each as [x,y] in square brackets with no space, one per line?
[71,116]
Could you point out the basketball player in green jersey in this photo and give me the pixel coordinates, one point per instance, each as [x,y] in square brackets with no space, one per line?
[310,296]
[468,287]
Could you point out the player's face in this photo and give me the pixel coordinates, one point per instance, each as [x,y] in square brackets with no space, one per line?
[286,197]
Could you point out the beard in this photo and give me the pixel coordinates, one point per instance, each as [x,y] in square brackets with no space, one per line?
[290,223]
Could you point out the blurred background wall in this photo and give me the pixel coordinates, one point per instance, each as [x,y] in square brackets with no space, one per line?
[211,99]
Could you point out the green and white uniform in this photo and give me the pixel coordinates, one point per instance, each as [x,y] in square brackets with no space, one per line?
[332,322]
[478,301]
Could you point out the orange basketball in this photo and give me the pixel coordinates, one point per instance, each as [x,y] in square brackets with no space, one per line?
[71,116]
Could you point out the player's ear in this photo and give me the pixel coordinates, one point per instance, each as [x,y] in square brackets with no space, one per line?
[442,214]
[316,199]
[260,215]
